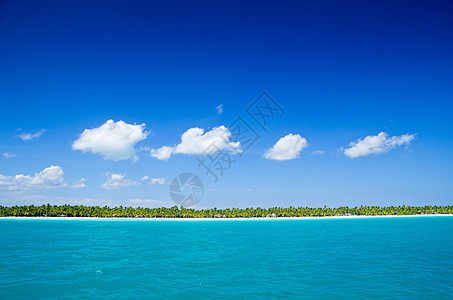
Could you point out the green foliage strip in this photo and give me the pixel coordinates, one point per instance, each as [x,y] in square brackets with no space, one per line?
[175,212]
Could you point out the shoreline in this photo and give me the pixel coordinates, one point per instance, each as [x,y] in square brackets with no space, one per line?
[224,219]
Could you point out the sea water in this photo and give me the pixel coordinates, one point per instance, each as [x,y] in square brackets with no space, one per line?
[408,257]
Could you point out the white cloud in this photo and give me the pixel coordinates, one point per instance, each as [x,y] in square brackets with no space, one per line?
[48,178]
[196,141]
[79,184]
[162,153]
[113,140]
[116,181]
[317,152]
[219,109]
[157,180]
[153,180]
[377,144]
[8,155]
[288,147]
[30,136]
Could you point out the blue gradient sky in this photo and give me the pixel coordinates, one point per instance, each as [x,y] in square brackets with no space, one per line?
[342,70]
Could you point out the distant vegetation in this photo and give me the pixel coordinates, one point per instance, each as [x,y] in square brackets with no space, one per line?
[175,212]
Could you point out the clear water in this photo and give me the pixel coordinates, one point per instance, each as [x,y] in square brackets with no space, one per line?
[323,258]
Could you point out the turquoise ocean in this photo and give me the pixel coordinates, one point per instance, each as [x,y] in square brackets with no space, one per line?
[409,257]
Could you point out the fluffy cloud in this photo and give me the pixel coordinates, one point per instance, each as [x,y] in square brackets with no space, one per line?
[116,181]
[51,177]
[153,180]
[163,153]
[113,140]
[8,155]
[288,147]
[157,180]
[30,136]
[196,141]
[377,144]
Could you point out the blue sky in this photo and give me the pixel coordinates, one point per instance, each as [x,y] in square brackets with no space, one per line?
[341,70]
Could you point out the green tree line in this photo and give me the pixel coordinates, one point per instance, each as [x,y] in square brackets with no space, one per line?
[176,212]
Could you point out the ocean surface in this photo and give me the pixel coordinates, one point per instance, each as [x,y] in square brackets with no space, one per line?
[409,257]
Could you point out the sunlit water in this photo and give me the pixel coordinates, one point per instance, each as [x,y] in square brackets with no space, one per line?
[322,258]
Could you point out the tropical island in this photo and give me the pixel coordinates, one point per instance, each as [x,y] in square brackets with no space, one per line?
[181,212]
